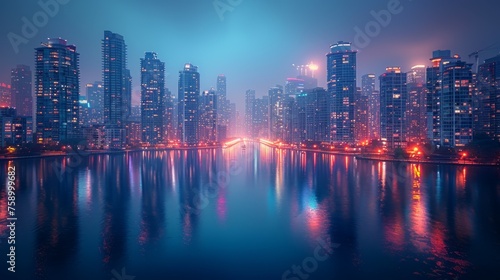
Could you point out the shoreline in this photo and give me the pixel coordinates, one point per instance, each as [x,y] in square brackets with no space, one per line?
[355,155]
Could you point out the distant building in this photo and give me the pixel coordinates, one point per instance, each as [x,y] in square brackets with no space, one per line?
[208,117]
[368,89]
[22,98]
[260,125]
[341,79]
[361,111]
[152,99]
[84,112]
[222,107]
[276,100]
[189,94]
[393,101]
[5,95]
[57,92]
[249,112]
[95,98]
[416,110]
[316,115]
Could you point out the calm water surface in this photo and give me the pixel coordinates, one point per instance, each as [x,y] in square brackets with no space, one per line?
[256,213]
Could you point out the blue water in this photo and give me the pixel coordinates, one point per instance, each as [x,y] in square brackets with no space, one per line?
[253,213]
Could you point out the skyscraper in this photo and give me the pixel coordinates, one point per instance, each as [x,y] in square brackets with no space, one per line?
[189,93]
[276,99]
[316,115]
[449,100]
[222,107]
[208,116]
[341,79]
[95,97]
[22,98]
[57,92]
[368,89]
[393,98]
[249,112]
[417,125]
[115,79]
[169,116]
[434,85]
[152,99]
[489,101]
[361,130]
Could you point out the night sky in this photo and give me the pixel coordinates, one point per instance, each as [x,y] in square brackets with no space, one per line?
[256,43]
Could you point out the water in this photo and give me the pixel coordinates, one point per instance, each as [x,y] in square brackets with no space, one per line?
[251,213]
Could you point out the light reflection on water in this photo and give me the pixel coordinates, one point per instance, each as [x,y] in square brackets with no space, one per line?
[252,214]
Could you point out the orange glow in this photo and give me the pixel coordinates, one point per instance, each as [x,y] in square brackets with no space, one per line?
[313,67]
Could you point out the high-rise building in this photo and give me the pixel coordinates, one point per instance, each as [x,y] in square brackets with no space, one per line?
[393,101]
[316,115]
[95,97]
[361,111]
[249,112]
[222,107]
[449,100]
[22,99]
[368,90]
[152,99]
[57,92]
[84,111]
[416,110]
[341,79]
[276,99]
[189,93]
[127,97]
[5,95]
[489,98]
[434,86]
[115,81]
[293,88]
[260,118]
[208,116]
[168,118]
[233,120]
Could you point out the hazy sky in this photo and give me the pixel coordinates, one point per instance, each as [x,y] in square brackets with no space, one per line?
[255,42]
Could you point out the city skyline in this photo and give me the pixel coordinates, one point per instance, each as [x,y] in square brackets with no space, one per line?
[231,39]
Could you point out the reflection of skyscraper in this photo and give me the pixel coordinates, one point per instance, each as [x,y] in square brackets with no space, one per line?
[115,78]
[22,99]
[416,104]
[341,79]
[95,96]
[189,93]
[57,92]
[393,98]
[152,99]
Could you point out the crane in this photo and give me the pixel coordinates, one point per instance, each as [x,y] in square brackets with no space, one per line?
[476,54]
